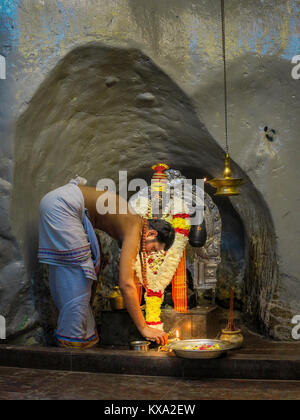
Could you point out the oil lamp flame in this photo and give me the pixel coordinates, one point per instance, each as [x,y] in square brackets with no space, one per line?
[173,339]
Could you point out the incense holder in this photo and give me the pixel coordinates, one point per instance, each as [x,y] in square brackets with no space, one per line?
[235,338]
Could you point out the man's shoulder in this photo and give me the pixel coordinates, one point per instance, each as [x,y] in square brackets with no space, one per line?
[133,222]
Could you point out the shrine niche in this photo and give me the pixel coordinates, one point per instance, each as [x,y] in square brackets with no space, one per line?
[76,123]
[196,220]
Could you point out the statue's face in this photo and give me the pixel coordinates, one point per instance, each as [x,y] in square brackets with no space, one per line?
[151,243]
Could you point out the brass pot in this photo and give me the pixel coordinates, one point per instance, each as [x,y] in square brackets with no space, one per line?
[116,299]
[233,337]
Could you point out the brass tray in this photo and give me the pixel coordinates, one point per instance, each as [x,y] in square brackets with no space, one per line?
[178,348]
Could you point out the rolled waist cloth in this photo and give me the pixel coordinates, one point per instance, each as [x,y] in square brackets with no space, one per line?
[62,237]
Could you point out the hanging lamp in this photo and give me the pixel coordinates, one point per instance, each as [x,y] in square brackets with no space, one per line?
[227,185]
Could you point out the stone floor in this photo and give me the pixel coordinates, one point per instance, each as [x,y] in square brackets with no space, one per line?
[258,359]
[31,384]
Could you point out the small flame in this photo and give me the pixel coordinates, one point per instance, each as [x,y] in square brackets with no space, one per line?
[205,179]
[177,334]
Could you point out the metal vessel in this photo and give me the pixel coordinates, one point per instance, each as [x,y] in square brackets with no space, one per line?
[140,345]
[116,299]
[179,348]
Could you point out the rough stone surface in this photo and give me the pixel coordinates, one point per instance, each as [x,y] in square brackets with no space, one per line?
[30,384]
[94,87]
[81,127]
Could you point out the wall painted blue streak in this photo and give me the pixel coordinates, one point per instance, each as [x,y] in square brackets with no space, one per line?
[9,19]
[294,41]
[64,26]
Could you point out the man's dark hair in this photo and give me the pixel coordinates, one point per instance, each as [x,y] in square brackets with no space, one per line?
[165,231]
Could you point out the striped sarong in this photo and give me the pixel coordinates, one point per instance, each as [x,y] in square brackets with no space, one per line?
[62,238]
[65,239]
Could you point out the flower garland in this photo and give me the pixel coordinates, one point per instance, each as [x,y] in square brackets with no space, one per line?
[153,310]
[163,269]
[161,266]
[155,260]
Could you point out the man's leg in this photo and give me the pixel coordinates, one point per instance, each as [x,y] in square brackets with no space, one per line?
[71,292]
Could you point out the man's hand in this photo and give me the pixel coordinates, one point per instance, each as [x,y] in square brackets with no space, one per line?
[153,334]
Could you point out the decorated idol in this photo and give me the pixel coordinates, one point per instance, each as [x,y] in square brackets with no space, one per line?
[164,200]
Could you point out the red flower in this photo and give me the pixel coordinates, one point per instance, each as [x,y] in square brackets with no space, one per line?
[150,293]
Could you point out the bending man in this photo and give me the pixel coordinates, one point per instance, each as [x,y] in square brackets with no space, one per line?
[67,243]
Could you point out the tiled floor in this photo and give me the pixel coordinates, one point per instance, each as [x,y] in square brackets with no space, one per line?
[16,384]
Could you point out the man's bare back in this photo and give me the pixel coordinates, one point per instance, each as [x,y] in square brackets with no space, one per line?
[114,223]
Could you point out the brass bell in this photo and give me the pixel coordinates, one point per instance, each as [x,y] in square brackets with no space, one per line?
[227,185]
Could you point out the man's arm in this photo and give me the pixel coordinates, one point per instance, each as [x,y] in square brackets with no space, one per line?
[129,252]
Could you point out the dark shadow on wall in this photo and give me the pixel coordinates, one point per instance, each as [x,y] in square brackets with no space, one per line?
[102,110]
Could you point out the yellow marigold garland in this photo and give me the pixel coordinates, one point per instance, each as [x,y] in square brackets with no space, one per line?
[161,272]
[153,309]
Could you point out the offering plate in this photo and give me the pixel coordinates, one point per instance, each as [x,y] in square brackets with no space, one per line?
[180,349]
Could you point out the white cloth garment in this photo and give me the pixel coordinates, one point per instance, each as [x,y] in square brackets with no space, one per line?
[65,246]
[71,292]
[62,238]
